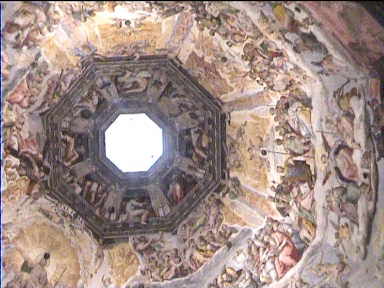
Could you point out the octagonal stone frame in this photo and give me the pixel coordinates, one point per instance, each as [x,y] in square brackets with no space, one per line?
[106,231]
[107,167]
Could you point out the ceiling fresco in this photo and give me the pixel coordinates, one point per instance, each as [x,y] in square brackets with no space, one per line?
[272,128]
[116,202]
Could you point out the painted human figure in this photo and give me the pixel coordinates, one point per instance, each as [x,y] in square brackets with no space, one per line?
[157,85]
[189,166]
[253,260]
[81,122]
[90,189]
[159,202]
[282,198]
[99,201]
[294,144]
[228,277]
[205,248]
[200,142]
[176,192]
[192,257]
[189,120]
[112,203]
[145,246]
[297,121]
[268,271]
[346,168]
[139,209]
[39,274]
[70,154]
[174,267]
[287,254]
[106,88]
[82,168]
[295,172]
[133,82]
[75,184]
[32,276]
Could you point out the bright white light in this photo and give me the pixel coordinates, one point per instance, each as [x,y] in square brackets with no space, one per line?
[133,142]
[121,12]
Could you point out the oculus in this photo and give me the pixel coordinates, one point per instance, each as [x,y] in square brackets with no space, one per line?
[133,142]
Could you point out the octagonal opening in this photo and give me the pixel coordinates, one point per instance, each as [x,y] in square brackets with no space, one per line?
[133,142]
